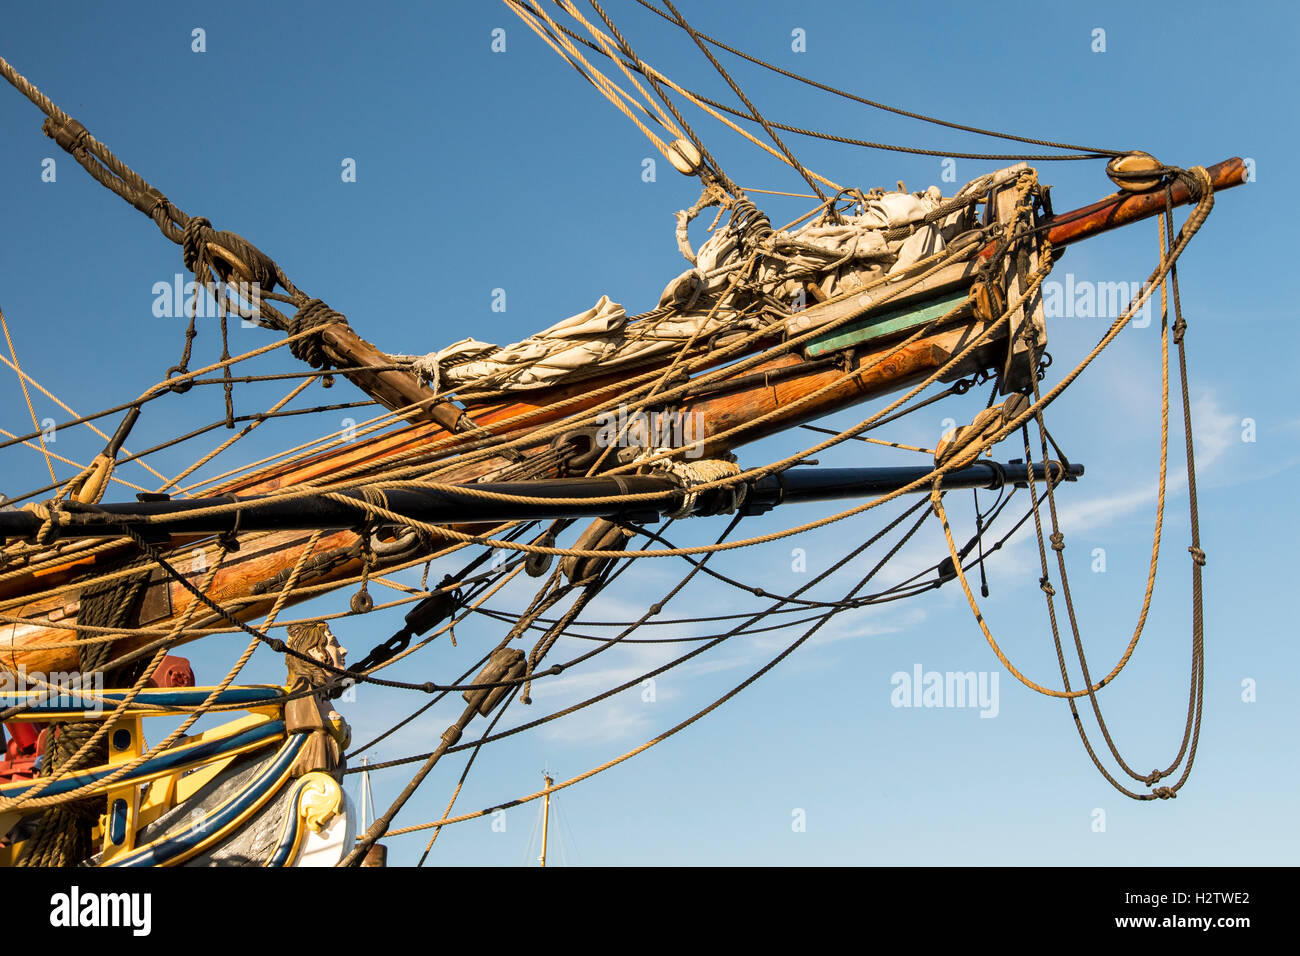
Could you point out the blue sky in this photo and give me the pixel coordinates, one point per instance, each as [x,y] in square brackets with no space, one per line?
[479,170]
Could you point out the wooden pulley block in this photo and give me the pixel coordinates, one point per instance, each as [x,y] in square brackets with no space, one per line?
[1136,172]
[504,664]
[601,535]
[684,156]
[988,301]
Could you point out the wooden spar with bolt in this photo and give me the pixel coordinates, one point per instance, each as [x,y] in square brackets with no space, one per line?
[1123,208]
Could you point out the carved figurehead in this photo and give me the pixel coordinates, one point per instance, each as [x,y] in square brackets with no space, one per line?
[311,713]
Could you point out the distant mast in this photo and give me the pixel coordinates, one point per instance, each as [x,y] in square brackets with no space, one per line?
[546,814]
[367,798]
[377,855]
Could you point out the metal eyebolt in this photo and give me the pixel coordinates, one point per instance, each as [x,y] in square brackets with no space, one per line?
[400,546]
[586,448]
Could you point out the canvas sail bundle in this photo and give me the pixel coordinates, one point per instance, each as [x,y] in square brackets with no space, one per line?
[887,234]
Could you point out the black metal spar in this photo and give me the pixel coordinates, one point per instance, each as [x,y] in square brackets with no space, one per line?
[552,498]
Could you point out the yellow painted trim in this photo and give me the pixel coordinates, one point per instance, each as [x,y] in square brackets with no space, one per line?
[130,793]
[309,816]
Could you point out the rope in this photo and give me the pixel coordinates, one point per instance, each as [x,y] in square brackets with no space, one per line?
[22,380]
[603,84]
[693,718]
[1197,677]
[62,835]
[882,106]
[312,316]
[709,105]
[1190,227]
[692,474]
[654,75]
[753,111]
[711,164]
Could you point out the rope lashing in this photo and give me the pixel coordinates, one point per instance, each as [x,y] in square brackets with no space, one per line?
[312,314]
[194,242]
[428,368]
[50,514]
[692,473]
[710,195]
[749,223]
[71,135]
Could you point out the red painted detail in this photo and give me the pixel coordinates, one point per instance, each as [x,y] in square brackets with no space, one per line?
[21,750]
[173,672]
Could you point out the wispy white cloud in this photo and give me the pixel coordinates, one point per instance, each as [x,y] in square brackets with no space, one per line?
[1216,432]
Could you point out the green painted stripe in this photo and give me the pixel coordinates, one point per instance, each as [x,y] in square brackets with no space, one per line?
[875,325]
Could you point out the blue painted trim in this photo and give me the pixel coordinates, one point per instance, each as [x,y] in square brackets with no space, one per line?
[117,822]
[169,759]
[290,836]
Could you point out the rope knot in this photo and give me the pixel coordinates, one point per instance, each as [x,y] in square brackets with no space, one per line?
[1155,776]
[312,315]
[1058,541]
[1164,793]
[1198,556]
[1046,585]
[1180,329]
[50,513]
